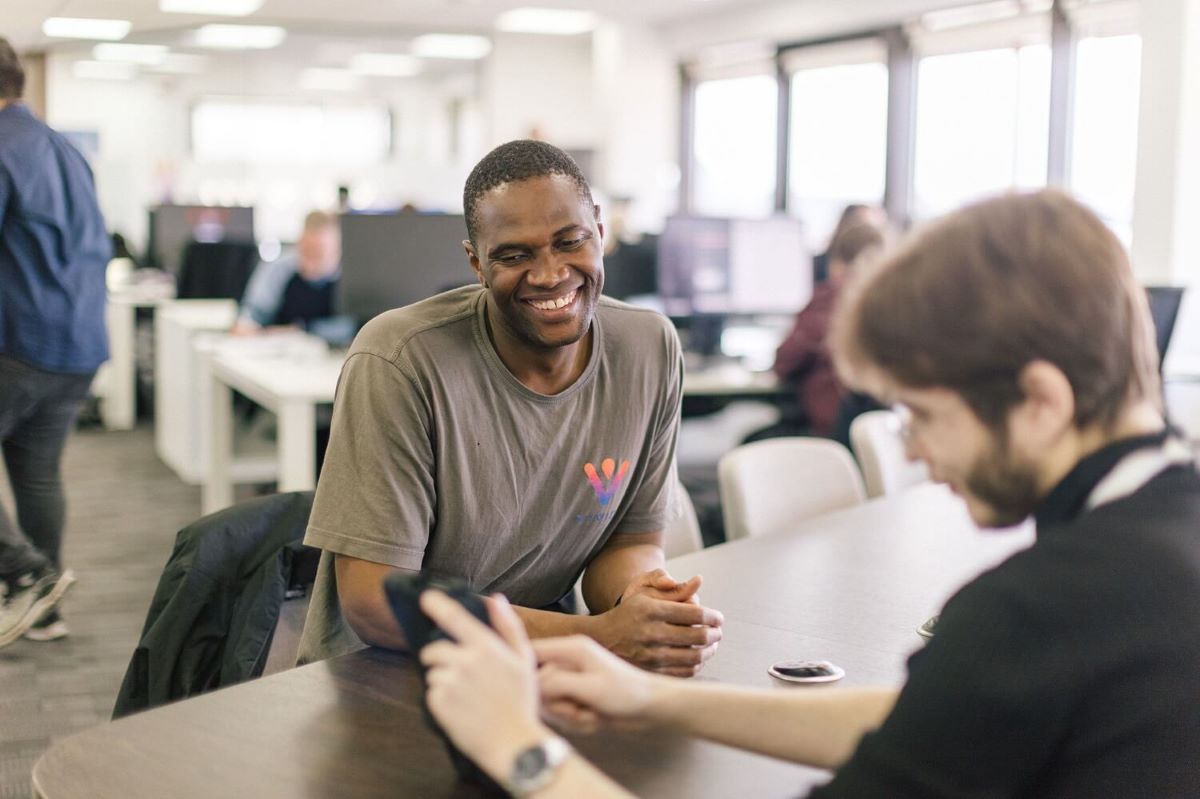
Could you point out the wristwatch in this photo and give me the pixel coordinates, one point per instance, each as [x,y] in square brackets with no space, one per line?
[535,766]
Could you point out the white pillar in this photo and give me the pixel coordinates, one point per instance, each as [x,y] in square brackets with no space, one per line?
[1166,209]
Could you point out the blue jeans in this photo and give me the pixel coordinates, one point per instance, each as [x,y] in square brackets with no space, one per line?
[37,412]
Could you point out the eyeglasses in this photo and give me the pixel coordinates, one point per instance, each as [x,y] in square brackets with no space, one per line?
[904,421]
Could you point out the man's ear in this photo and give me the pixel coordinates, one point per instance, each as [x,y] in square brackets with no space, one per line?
[1048,408]
[473,259]
[599,223]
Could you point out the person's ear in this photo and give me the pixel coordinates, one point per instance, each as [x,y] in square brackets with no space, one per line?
[473,259]
[599,223]
[1047,410]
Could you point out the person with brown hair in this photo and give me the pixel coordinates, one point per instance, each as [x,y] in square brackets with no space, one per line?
[803,361]
[54,250]
[1016,343]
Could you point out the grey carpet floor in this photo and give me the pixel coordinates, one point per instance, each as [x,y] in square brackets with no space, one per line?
[124,507]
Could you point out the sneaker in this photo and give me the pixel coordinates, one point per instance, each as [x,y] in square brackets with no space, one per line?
[49,627]
[30,596]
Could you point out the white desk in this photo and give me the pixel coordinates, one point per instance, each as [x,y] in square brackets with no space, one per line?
[116,383]
[291,387]
[729,379]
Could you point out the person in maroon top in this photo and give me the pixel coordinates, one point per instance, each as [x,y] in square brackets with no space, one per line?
[803,357]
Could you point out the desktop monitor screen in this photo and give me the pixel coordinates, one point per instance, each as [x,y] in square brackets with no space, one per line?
[173,226]
[390,260]
[709,265]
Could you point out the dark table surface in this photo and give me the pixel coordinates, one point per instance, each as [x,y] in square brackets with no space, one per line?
[850,587]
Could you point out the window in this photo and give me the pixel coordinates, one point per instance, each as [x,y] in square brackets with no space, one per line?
[734,145]
[837,148]
[1104,131]
[233,132]
[982,125]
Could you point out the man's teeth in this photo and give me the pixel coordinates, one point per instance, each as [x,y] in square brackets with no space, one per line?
[550,305]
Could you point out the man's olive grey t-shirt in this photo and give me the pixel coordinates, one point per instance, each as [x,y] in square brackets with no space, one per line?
[440,459]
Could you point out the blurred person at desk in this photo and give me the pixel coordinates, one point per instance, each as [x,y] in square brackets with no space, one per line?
[519,433]
[1018,349]
[803,360]
[298,290]
[54,250]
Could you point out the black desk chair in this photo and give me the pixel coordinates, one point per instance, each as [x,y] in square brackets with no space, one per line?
[216,270]
[213,617]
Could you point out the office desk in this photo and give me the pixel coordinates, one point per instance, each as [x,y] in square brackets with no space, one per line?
[116,384]
[730,381]
[850,587]
[289,386]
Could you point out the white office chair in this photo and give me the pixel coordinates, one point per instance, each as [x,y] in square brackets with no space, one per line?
[767,486]
[875,438]
[681,537]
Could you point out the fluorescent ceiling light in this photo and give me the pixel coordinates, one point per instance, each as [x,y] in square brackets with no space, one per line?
[546,20]
[329,80]
[78,28]
[240,37]
[962,16]
[181,64]
[450,45]
[148,54]
[389,65]
[104,70]
[224,8]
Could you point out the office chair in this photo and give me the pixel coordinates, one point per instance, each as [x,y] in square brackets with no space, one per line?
[212,620]
[875,440]
[1164,310]
[216,270]
[768,486]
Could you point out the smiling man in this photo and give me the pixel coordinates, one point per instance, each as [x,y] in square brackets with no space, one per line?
[516,434]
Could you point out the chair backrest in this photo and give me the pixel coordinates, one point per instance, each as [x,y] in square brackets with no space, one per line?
[683,535]
[768,486]
[216,270]
[875,439]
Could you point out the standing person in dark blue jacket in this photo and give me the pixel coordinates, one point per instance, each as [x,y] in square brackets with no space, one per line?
[53,252]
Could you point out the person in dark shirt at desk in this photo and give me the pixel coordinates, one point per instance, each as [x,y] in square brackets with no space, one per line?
[1018,349]
[54,250]
[298,290]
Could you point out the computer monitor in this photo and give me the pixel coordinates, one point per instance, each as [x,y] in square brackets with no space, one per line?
[390,260]
[173,226]
[711,265]
[1164,309]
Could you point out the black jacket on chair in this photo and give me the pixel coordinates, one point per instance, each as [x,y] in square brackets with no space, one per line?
[214,612]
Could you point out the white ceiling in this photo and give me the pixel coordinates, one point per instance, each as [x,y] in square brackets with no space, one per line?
[21,21]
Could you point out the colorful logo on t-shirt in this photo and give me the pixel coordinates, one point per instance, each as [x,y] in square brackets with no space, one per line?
[607,482]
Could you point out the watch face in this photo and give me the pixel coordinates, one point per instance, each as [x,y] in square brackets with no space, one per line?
[530,763]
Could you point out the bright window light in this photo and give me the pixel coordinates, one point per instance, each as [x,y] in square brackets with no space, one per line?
[734,146]
[837,148]
[546,20]
[104,70]
[240,37]
[982,125]
[110,30]
[449,45]
[1104,139]
[224,8]
[389,65]
[148,54]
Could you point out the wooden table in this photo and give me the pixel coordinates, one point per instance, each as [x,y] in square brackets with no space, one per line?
[850,587]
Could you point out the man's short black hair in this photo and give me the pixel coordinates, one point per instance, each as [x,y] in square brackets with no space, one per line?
[515,161]
[12,74]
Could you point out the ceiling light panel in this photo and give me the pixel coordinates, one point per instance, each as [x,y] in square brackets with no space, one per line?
[104,70]
[222,8]
[109,30]
[388,65]
[147,54]
[240,37]
[557,21]
[449,45]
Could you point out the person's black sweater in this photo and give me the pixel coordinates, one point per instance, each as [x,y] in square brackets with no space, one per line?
[1070,670]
